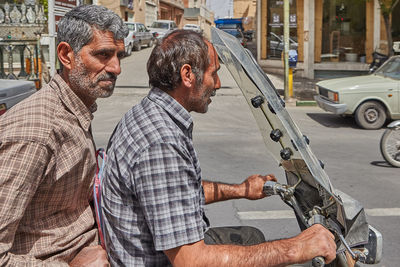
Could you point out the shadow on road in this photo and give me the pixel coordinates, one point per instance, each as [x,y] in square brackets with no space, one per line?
[383,164]
[333,121]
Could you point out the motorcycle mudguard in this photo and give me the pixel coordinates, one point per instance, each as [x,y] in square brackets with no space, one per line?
[394,124]
[290,148]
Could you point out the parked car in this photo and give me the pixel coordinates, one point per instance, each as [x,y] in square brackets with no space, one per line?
[161,27]
[14,91]
[276,44]
[192,27]
[234,30]
[371,99]
[138,35]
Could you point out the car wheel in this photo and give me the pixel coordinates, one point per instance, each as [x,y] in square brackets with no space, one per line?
[129,50]
[370,115]
[137,47]
[150,44]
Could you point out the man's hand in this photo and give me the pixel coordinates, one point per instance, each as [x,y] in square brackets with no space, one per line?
[253,185]
[91,256]
[316,241]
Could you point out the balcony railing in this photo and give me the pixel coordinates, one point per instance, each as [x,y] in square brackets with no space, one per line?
[20,59]
[20,30]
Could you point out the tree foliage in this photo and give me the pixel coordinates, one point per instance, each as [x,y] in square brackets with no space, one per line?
[387,7]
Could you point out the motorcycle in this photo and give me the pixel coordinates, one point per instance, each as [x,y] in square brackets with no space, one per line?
[390,144]
[308,191]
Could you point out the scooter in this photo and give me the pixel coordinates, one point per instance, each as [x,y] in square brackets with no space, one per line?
[308,189]
[390,144]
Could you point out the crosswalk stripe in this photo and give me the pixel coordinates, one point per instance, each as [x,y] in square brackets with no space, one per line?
[289,214]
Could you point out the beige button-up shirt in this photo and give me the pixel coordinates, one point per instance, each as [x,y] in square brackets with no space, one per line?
[47,163]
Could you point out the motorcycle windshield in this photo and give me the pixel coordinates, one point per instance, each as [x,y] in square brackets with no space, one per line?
[241,63]
[303,170]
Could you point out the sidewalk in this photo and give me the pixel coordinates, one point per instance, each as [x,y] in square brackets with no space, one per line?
[303,89]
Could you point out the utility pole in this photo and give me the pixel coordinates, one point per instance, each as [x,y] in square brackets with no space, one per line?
[52,36]
[286,7]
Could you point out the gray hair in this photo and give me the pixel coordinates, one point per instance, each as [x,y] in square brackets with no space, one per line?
[75,28]
[176,49]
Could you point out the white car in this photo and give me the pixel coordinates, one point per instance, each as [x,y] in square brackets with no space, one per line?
[14,91]
[192,27]
[161,27]
[371,99]
[138,36]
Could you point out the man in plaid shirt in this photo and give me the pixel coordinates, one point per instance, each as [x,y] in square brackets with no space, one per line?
[153,195]
[47,153]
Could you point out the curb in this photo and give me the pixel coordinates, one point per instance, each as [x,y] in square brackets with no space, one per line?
[302,103]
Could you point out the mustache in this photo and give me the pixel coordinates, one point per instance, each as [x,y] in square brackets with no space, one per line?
[107,76]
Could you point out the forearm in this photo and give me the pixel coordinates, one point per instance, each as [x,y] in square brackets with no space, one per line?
[275,253]
[251,188]
[214,191]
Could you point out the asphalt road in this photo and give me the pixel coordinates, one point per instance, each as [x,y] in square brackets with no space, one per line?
[230,148]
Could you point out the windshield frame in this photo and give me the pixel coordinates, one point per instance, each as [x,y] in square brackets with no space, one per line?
[383,70]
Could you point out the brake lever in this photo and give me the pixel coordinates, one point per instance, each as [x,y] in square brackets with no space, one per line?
[287,195]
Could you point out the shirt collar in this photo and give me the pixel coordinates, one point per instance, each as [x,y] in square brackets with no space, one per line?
[72,101]
[172,107]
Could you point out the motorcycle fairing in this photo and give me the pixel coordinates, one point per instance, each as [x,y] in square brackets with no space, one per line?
[303,169]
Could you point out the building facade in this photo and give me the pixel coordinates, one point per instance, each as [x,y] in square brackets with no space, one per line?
[196,12]
[247,10]
[143,11]
[171,10]
[123,8]
[326,34]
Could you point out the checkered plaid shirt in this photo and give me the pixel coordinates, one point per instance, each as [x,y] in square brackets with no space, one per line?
[152,197]
[47,163]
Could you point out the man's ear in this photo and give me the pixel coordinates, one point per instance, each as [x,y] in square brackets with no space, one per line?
[65,55]
[187,75]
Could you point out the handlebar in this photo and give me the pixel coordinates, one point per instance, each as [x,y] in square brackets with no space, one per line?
[318,262]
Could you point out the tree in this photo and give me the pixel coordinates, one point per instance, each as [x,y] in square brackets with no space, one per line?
[387,6]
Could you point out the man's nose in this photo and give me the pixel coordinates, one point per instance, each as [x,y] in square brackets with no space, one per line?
[114,65]
[217,83]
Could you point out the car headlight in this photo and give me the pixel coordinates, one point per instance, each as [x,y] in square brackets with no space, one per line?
[334,96]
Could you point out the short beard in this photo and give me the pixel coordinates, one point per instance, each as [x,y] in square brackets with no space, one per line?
[81,84]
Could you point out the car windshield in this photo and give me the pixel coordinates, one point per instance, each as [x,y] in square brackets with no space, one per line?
[390,69]
[159,25]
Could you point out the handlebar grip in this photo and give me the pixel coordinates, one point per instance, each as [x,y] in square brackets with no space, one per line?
[318,262]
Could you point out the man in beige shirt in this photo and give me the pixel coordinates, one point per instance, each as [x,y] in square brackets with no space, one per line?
[47,153]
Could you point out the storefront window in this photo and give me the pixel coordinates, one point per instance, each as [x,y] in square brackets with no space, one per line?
[343,31]
[275,28]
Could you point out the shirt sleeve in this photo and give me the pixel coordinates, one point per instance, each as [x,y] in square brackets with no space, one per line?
[22,165]
[169,192]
